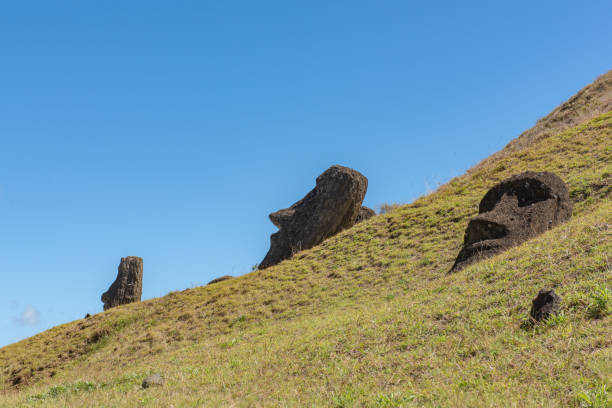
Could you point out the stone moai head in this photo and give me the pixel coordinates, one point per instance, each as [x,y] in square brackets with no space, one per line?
[516,209]
[333,205]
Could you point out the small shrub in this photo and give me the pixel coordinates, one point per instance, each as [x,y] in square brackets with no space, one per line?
[239,319]
[185,317]
[98,340]
[98,335]
[392,400]
[388,207]
[344,400]
[58,390]
[598,398]
[227,344]
[601,303]
[84,386]
[556,319]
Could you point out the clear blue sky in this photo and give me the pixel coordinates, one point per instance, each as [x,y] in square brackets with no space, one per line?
[170,130]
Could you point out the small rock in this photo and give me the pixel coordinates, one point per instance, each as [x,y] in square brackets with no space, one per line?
[364,214]
[87,315]
[153,380]
[545,304]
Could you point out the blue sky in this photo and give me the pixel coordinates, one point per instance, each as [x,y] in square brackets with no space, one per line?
[170,130]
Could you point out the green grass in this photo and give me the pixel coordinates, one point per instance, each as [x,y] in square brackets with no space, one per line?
[369,318]
[601,302]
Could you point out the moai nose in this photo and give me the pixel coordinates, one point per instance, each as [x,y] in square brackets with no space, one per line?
[281,217]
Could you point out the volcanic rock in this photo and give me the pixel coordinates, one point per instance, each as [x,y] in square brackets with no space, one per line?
[332,206]
[153,380]
[364,214]
[516,209]
[547,303]
[127,288]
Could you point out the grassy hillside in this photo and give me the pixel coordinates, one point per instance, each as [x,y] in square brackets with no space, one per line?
[593,100]
[369,318]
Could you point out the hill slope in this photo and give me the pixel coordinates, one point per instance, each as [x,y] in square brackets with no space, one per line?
[593,100]
[369,318]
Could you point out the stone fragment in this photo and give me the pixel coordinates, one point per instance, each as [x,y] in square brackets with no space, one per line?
[154,380]
[547,303]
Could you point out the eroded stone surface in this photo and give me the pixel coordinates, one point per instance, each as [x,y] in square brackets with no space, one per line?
[127,288]
[547,303]
[518,208]
[333,205]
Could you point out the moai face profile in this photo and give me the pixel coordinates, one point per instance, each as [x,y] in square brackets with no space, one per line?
[333,205]
[127,288]
[518,208]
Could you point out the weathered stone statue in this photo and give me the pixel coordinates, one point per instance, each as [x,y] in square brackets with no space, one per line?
[518,208]
[333,205]
[127,288]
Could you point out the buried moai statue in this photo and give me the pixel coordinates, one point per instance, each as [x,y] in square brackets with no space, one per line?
[516,209]
[127,288]
[332,206]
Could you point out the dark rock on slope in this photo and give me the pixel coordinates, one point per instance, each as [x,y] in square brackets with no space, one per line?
[364,214]
[518,208]
[127,288]
[547,303]
[333,205]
